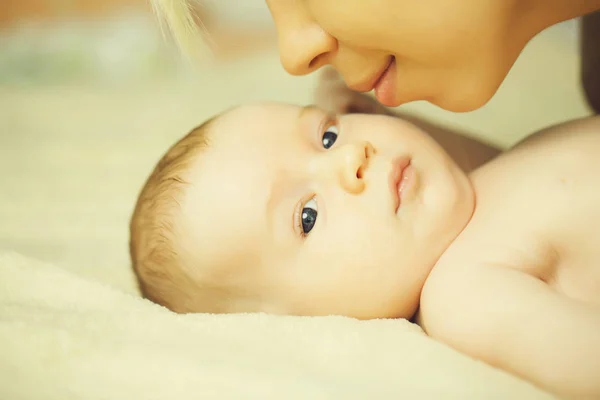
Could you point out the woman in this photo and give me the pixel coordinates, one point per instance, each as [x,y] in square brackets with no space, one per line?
[454,54]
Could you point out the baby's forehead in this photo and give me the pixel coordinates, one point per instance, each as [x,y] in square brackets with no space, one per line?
[254,120]
[223,216]
[250,144]
[225,205]
[228,181]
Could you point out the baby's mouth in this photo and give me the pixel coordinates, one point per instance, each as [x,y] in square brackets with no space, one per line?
[399,180]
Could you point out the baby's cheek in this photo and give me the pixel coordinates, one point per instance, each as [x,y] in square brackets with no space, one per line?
[371,250]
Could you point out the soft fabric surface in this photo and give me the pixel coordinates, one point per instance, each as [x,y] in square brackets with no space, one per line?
[63,337]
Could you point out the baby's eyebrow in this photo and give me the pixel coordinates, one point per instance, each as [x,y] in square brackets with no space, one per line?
[306,109]
[277,192]
[275,195]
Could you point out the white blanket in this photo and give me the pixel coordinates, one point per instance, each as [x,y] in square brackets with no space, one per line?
[64,337]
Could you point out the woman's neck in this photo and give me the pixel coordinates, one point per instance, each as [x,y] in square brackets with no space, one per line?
[538,15]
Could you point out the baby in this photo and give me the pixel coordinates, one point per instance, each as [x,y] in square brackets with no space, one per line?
[294,210]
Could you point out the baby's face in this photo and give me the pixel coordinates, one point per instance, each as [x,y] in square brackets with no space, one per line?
[452,53]
[307,214]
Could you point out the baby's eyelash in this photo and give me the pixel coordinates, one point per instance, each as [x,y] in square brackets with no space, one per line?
[331,120]
[327,129]
[328,121]
[298,219]
[298,215]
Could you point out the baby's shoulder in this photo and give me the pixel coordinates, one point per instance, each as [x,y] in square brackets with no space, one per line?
[503,246]
[574,138]
[573,132]
[465,282]
[545,186]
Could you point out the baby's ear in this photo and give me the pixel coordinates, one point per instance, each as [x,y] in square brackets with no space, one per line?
[332,95]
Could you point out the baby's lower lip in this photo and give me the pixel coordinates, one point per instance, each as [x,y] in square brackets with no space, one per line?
[405,183]
[406,180]
[396,176]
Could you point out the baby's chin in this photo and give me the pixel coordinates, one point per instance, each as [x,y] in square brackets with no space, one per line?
[439,232]
[405,305]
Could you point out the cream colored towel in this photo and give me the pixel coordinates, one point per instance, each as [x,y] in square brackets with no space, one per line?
[62,337]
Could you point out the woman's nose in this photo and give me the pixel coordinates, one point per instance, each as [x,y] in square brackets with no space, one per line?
[304,46]
[349,163]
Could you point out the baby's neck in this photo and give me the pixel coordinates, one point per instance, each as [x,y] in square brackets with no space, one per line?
[467,153]
[417,318]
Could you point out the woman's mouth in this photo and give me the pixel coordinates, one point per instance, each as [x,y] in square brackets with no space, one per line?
[379,81]
[385,86]
[400,180]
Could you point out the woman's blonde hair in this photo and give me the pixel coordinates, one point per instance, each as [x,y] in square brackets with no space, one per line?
[180,19]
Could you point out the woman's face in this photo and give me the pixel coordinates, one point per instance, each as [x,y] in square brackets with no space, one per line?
[454,54]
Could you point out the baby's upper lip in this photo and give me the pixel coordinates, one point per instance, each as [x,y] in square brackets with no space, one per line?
[395,176]
[369,84]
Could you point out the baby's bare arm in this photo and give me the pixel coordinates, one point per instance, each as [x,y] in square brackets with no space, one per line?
[518,323]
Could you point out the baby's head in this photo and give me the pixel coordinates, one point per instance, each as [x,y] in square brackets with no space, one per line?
[288,210]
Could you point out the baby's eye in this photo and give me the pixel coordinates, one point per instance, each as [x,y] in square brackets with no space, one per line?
[330,136]
[309,216]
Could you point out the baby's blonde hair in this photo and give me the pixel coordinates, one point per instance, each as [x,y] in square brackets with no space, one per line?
[179,18]
[158,259]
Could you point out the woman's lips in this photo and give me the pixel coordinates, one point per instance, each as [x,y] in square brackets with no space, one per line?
[399,180]
[385,87]
[376,80]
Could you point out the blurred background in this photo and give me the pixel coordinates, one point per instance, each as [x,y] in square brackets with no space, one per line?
[91,95]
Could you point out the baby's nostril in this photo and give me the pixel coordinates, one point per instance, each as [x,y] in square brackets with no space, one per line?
[359,173]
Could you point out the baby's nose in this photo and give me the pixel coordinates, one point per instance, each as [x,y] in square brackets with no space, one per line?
[350,162]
